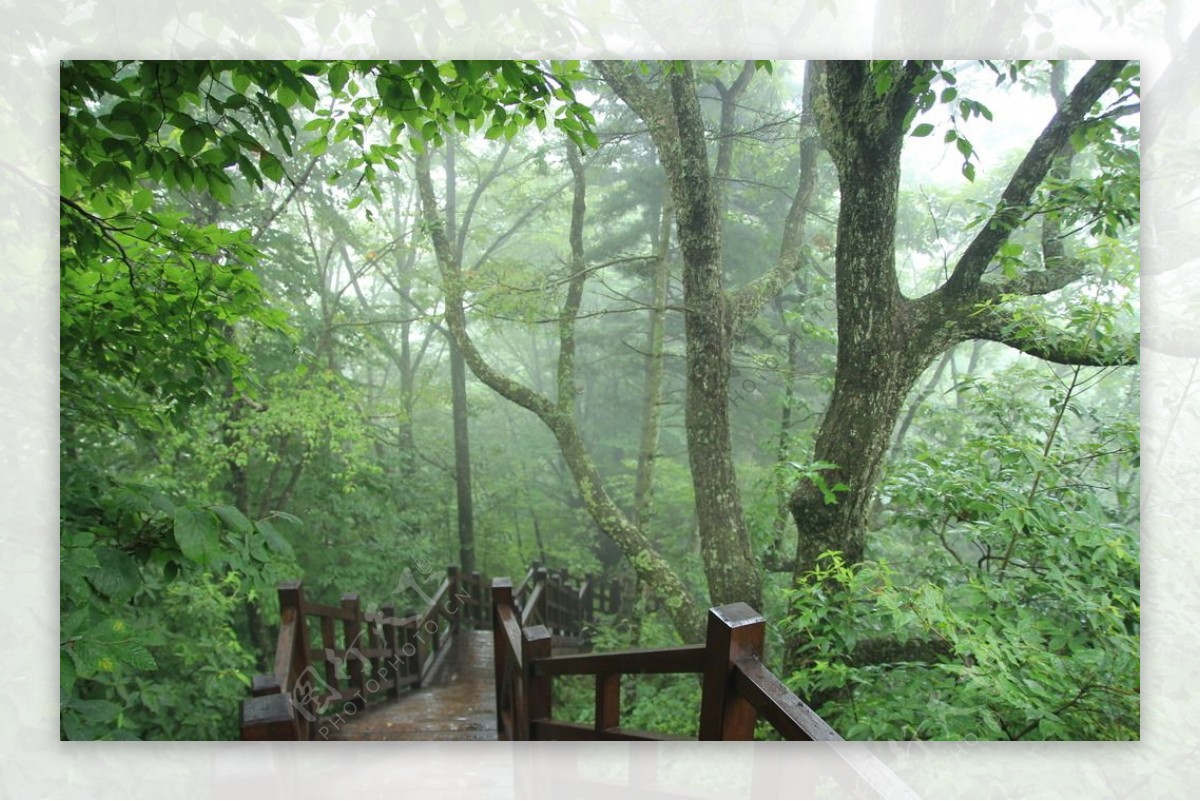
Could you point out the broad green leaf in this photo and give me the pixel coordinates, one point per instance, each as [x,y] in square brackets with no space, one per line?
[116,574]
[338,75]
[193,139]
[66,675]
[135,655]
[274,539]
[198,533]
[233,519]
[96,711]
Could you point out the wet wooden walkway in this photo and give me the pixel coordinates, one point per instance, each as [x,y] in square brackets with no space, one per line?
[460,705]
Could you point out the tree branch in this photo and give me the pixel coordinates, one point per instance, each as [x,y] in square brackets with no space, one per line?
[1063,272]
[1053,344]
[567,390]
[456,319]
[745,303]
[1028,176]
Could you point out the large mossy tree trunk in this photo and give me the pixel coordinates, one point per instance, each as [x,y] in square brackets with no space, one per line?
[886,340]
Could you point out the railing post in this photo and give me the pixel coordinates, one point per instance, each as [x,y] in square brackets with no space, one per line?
[555,624]
[608,701]
[588,598]
[412,636]
[392,652]
[271,712]
[539,577]
[734,630]
[291,596]
[478,601]
[452,602]
[268,713]
[351,633]
[374,644]
[502,595]
[567,598]
[535,644]
[329,642]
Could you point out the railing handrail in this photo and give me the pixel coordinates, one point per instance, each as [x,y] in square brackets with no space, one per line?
[636,661]
[737,687]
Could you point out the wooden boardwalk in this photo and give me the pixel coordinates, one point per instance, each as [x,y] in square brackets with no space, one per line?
[460,705]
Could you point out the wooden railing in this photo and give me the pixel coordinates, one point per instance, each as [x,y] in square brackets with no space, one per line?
[737,688]
[373,657]
[365,658]
[563,606]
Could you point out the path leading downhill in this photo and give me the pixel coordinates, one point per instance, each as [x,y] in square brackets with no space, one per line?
[461,705]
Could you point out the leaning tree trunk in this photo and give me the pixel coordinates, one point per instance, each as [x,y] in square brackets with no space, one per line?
[558,415]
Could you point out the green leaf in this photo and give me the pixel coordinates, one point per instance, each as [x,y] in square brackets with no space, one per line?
[233,519]
[66,674]
[116,574]
[924,129]
[198,533]
[97,710]
[271,167]
[274,539]
[193,140]
[136,656]
[338,75]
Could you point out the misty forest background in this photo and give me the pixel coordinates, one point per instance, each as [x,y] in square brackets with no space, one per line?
[852,342]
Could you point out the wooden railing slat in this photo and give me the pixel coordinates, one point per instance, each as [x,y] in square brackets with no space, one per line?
[285,645]
[676,659]
[324,610]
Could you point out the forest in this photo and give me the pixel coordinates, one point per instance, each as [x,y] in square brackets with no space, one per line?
[853,342]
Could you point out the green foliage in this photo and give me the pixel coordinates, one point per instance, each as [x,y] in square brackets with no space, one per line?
[814,472]
[1002,600]
[167,329]
[1053,657]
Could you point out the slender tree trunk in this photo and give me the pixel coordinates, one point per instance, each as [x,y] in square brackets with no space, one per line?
[652,399]
[783,444]
[712,317]
[458,392]
[729,564]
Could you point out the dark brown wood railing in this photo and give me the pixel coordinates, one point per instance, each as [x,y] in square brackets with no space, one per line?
[367,658]
[377,655]
[737,688]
